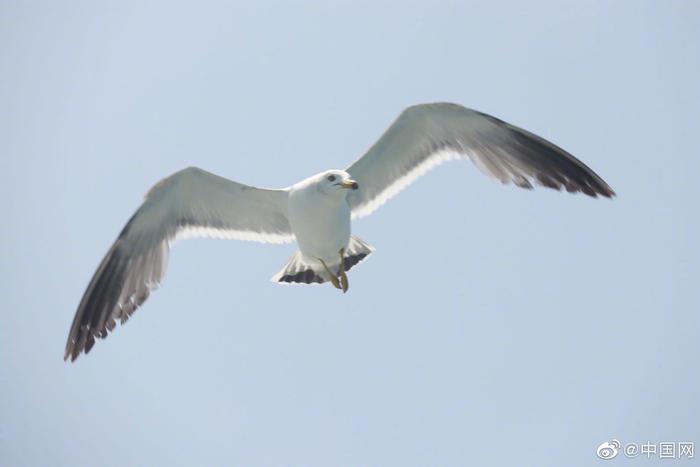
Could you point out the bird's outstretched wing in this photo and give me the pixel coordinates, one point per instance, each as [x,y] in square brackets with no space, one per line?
[429,134]
[189,203]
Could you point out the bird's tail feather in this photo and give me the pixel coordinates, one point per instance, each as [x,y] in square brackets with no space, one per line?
[303,270]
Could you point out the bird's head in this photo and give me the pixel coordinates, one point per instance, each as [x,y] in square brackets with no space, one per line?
[335,183]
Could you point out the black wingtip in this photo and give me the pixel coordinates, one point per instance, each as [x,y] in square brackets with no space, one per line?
[71,354]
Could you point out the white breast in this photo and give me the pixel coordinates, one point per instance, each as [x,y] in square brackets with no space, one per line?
[321,223]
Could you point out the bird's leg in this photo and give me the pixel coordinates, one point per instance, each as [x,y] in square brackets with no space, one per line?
[334,279]
[341,271]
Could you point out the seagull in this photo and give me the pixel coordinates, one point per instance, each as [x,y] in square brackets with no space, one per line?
[315,212]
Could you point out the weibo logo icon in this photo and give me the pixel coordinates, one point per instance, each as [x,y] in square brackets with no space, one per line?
[608,449]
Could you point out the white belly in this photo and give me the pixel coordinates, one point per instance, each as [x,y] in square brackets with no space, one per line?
[321,225]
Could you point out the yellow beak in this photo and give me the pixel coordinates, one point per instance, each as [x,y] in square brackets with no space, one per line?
[349,184]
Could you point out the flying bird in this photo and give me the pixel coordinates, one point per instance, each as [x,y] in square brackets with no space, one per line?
[315,212]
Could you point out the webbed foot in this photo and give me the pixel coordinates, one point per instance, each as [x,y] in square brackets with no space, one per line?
[341,270]
[333,277]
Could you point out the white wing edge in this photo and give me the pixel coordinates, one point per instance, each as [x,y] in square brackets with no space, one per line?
[190,231]
[438,158]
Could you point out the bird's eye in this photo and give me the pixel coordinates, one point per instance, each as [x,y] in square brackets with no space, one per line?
[331,178]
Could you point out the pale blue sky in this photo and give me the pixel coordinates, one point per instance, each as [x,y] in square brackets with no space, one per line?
[493,326]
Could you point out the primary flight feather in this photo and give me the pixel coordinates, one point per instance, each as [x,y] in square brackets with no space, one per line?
[317,211]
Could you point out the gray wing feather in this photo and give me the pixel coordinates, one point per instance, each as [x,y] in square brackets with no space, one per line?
[191,202]
[429,134]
